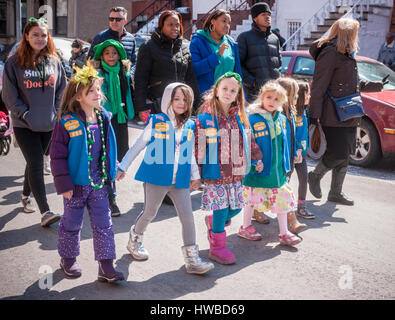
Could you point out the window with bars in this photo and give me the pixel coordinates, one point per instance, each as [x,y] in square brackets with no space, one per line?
[292,27]
[61,17]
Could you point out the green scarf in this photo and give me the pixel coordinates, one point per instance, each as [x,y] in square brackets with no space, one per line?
[114,90]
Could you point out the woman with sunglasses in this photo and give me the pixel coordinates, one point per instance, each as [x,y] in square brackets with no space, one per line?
[33,84]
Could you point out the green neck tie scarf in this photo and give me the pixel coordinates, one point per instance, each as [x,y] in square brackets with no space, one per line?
[114,91]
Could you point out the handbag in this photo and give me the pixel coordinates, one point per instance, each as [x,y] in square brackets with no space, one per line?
[348,107]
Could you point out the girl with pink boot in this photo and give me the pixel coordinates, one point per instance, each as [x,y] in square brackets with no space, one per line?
[222,152]
[268,188]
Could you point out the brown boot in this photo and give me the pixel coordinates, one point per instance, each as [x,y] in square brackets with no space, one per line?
[260,217]
[294,225]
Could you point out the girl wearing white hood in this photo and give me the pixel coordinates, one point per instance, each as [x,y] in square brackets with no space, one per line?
[169,167]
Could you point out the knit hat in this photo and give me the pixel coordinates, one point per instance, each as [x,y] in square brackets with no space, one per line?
[258,8]
[98,49]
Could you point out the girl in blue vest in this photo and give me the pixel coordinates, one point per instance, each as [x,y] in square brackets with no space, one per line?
[114,67]
[222,150]
[289,110]
[83,160]
[302,135]
[169,167]
[268,190]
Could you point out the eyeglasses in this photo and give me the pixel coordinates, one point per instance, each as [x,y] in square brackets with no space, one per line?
[116,19]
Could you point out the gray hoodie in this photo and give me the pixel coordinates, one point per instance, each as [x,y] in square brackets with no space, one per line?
[22,91]
[145,137]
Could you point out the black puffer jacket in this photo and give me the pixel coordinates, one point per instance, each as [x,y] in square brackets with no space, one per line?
[259,57]
[339,73]
[161,61]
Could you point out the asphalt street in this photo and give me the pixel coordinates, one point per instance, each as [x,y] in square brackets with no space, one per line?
[346,253]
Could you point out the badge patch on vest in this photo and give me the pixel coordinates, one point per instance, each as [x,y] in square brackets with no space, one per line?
[161,136]
[190,135]
[210,123]
[162,127]
[75,133]
[211,132]
[259,126]
[71,125]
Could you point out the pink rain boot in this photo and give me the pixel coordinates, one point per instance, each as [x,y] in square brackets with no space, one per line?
[218,250]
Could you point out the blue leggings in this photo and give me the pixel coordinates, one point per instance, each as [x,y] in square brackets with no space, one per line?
[220,217]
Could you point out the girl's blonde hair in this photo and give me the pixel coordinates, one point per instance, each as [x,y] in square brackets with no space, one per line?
[291,87]
[188,94]
[346,32]
[73,91]
[271,86]
[212,100]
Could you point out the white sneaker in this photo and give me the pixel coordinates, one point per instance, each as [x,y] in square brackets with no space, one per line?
[47,164]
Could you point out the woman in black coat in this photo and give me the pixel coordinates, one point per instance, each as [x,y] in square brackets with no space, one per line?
[335,71]
[163,59]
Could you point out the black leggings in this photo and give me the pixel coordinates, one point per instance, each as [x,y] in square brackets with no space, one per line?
[301,171]
[33,146]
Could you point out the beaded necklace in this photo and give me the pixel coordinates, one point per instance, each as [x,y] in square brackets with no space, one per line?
[103,157]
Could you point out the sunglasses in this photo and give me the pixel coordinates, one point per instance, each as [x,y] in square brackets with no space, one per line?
[116,19]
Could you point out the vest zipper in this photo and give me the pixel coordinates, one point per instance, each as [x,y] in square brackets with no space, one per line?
[175,61]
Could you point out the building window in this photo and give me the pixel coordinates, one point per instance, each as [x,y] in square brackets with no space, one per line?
[292,27]
[61,17]
[3,17]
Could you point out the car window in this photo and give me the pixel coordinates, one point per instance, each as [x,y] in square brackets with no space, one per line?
[374,71]
[304,65]
[285,63]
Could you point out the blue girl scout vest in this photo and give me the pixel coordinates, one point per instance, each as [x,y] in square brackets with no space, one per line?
[210,167]
[78,148]
[302,132]
[158,164]
[260,130]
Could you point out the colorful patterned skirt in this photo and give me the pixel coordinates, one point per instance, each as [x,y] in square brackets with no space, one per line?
[276,200]
[222,196]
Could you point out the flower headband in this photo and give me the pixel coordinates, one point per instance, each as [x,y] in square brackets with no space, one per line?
[32,19]
[84,74]
[229,75]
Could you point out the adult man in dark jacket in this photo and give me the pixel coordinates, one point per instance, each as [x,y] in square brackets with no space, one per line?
[116,31]
[259,51]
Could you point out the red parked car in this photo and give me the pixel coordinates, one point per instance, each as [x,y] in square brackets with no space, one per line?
[376,134]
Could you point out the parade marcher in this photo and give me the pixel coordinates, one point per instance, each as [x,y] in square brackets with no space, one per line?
[78,54]
[276,31]
[173,131]
[213,51]
[163,59]
[259,51]
[302,135]
[114,68]
[268,189]
[116,31]
[223,156]
[336,71]
[83,160]
[294,146]
[33,82]
[387,51]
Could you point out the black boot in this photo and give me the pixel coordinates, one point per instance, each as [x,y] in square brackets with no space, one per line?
[115,212]
[314,178]
[168,200]
[336,194]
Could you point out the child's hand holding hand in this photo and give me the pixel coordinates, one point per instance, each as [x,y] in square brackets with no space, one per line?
[195,184]
[68,194]
[120,175]
[299,158]
[259,166]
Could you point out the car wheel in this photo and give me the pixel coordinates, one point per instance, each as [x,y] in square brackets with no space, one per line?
[368,148]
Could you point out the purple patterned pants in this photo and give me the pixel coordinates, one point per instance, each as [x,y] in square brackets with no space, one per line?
[71,224]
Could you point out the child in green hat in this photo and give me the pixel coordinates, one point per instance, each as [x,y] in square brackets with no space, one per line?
[113,66]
